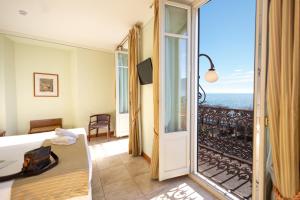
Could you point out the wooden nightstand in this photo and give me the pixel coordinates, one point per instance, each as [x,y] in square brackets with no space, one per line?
[2,133]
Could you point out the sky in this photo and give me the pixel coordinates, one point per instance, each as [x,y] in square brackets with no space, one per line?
[227,35]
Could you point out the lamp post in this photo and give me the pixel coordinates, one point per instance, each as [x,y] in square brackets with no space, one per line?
[210,76]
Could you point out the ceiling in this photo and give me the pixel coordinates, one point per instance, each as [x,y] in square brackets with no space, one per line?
[94,24]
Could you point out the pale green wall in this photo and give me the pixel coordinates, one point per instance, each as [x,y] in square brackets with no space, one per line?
[2,86]
[8,110]
[95,77]
[74,89]
[147,92]
[10,87]
[86,83]
[32,58]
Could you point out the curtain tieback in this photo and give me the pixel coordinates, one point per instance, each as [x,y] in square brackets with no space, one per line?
[155,132]
[278,195]
[135,114]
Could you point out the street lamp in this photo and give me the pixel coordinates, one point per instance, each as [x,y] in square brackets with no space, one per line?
[210,76]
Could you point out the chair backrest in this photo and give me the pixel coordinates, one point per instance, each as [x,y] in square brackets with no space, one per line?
[103,117]
[100,118]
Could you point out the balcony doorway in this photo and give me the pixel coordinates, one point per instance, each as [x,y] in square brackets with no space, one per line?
[226,38]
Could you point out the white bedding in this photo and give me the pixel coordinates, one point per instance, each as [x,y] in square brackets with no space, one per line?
[13,148]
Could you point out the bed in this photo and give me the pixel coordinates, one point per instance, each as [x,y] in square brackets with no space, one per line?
[13,148]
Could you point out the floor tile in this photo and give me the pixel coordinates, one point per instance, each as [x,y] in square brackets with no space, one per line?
[114,174]
[119,176]
[98,197]
[126,157]
[147,185]
[137,166]
[97,186]
[109,162]
[126,189]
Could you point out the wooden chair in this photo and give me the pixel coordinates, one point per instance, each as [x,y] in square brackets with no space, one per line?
[2,133]
[99,121]
[44,125]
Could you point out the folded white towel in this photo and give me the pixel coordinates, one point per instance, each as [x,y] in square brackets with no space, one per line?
[64,132]
[64,140]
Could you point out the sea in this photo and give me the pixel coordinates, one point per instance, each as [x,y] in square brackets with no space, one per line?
[229,100]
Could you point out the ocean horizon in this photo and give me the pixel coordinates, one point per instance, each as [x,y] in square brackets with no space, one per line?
[230,100]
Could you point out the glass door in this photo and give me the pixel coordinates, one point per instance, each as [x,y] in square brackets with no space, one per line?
[174,137]
[122,94]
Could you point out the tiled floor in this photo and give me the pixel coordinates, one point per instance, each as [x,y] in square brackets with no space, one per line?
[119,176]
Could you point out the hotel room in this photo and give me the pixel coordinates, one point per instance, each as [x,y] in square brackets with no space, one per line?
[149,99]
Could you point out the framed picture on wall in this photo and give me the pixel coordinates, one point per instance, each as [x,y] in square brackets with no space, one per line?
[45,85]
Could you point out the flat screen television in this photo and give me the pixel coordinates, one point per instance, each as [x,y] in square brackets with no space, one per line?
[145,71]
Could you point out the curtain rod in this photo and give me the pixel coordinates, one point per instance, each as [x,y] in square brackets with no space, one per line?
[124,40]
[120,46]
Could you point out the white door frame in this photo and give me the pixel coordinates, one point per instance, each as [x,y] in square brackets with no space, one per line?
[258,189]
[259,133]
[167,138]
[120,116]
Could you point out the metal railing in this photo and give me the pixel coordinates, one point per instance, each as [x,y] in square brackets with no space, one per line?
[225,148]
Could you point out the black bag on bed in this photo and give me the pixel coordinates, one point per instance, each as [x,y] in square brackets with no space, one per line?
[36,162]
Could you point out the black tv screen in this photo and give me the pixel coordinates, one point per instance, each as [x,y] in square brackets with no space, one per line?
[145,71]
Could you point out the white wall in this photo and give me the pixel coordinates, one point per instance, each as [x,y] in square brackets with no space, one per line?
[86,83]
[147,92]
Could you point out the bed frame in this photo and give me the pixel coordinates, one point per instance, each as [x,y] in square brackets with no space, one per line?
[44,125]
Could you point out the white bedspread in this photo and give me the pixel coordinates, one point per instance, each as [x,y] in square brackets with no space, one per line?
[13,148]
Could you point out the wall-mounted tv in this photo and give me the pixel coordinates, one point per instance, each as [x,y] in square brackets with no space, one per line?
[145,71]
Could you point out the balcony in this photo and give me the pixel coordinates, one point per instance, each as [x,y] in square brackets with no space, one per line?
[225,148]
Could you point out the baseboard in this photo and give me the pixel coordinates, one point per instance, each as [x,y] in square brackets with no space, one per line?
[146,157]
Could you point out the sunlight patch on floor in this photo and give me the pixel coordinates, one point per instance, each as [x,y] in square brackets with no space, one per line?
[108,149]
[182,191]
[116,147]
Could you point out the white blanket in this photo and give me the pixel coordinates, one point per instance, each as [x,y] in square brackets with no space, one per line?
[13,148]
[63,140]
[65,132]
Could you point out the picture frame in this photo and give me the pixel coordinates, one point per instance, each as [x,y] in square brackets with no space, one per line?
[45,85]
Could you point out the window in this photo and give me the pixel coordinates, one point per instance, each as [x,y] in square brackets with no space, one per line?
[176,67]
[123,82]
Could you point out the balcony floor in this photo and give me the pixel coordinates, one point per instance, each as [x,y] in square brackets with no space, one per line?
[229,172]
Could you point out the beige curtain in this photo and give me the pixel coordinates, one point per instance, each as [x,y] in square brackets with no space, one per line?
[155,61]
[134,107]
[283,95]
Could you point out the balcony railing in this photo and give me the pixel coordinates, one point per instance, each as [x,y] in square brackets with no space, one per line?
[225,148]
